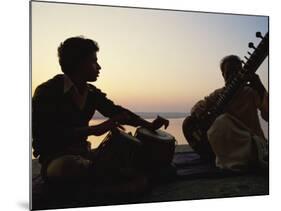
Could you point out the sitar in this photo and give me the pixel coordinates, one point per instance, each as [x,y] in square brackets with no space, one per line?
[195,127]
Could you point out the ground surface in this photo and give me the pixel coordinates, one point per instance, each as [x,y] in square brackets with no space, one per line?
[194,181]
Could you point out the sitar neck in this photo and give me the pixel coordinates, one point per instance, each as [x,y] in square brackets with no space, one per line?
[249,67]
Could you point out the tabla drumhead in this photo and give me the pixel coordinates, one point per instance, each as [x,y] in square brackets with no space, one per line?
[128,137]
[157,135]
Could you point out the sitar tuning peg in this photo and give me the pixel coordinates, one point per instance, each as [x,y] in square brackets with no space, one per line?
[246,57]
[251,45]
[243,62]
[249,53]
[259,35]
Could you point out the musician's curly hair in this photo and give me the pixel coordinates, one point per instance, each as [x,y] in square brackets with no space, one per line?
[73,50]
[229,58]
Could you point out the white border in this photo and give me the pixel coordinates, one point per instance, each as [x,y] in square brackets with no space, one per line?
[15,102]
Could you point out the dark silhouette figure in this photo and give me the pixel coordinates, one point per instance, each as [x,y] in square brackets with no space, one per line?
[226,136]
[62,108]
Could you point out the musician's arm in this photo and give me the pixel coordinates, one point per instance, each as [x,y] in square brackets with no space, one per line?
[99,129]
[263,98]
[121,115]
[154,125]
[129,118]
[265,107]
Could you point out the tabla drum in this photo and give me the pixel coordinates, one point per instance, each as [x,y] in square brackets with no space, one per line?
[118,150]
[158,146]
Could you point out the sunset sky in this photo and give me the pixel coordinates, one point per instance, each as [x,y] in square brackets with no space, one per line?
[152,60]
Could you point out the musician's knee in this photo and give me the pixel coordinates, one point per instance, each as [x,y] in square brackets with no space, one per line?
[68,167]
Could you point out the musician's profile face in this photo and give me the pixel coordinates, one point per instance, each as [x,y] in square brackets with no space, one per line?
[230,69]
[90,68]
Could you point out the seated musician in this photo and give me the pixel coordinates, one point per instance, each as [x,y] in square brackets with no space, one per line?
[228,140]
[62,108]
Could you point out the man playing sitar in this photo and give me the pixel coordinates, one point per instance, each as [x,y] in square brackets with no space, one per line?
[223,138]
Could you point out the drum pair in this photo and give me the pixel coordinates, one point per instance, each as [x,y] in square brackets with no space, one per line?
[146,149]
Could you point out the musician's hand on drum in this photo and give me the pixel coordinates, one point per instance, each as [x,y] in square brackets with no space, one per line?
[120,127]
[99,129]
[159,122]
[104,127]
